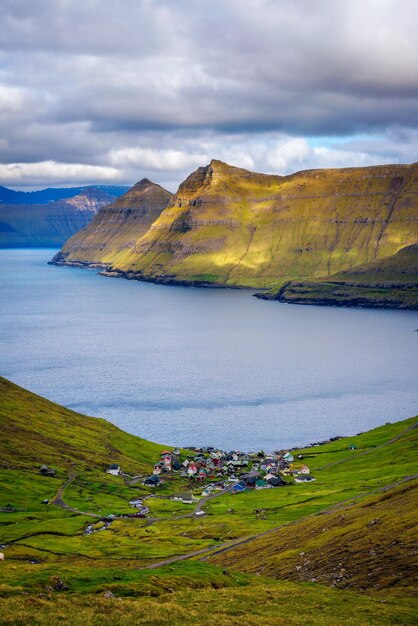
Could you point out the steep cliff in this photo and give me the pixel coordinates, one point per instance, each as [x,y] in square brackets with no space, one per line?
[49,224]
[116,228]
[391,282]
[228,226]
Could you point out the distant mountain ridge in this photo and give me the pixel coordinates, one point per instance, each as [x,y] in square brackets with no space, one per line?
[52,223]
[52,194]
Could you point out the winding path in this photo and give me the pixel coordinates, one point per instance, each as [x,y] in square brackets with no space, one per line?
[58,501]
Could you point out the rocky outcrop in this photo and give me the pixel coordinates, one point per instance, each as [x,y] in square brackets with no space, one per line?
[49,224]
[233,227]
[116,229]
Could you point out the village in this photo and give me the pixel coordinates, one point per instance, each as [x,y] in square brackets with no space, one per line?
[206,472]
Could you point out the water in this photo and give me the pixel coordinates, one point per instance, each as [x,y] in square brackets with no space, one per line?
[193,366]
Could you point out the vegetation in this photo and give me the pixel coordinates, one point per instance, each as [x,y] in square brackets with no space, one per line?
[61,557]
[117,228]
[228,226]
[390,282]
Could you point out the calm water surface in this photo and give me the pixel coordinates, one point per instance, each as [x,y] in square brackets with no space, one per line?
[193,366]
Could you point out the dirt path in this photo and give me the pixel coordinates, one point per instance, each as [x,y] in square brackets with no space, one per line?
[215,550]
[369,450]
[58,501]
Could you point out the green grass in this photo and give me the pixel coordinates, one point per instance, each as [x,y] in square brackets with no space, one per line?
[112,559]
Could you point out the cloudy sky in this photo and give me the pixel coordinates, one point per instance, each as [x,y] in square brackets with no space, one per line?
[109,91]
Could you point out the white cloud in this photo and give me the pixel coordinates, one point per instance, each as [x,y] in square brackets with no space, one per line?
[46,172]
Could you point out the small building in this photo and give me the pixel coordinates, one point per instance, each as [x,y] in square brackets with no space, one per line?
[261,484]
[288,457]
[276,481]
[152,481]
[186,498]
[304,478]
[239,487]
[305,469]
[47,471]
[114,469]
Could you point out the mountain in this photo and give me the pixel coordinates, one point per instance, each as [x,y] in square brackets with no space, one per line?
[391,282]
[43,196]
[228,226]
[52,223]
[115,230]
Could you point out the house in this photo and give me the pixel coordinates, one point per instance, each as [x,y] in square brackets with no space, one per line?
[305,469]
[304,478]
[191,469]
[288,457]
[114,469]
[152,481]
[352,447]
[186,498]
[201,474]
[276,481]
[261,484]
[238,487]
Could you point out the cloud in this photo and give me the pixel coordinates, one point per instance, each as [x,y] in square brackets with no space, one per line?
[154,85]
[60,173]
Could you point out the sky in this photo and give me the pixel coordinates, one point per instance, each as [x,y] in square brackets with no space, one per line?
[111,91]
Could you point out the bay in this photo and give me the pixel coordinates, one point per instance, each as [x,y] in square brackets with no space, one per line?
[187,366]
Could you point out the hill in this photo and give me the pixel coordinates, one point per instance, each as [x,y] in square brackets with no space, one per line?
[67,558]
[370,545]
[35,431]
[391,282]
[228,226]
[49,224]
[116,229]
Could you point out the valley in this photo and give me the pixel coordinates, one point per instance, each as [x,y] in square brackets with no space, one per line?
[49,553]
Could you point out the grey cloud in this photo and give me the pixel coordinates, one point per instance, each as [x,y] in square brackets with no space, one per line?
[95,76]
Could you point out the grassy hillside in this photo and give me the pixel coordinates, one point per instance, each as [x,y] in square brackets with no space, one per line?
[35,431]
[55,570]
[370,545]
[226,225]
[391,282]
[117,228]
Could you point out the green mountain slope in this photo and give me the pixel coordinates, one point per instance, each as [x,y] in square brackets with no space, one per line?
[391,282]
[49,224]
[228,226]
[370,545]
[61,558]
[35,431]
[117,228]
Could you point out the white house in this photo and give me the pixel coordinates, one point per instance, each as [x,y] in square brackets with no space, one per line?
[114,469]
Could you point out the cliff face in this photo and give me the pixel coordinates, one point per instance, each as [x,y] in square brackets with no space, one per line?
[49,224]
[229,226]
[116,228]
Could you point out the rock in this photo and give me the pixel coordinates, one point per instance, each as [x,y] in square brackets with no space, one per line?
[108,594]
[57,584]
